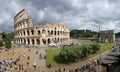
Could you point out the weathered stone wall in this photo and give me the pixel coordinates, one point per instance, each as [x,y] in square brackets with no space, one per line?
[107,36]
[28,34]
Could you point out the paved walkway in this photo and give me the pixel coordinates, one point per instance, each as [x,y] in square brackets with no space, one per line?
[41,63]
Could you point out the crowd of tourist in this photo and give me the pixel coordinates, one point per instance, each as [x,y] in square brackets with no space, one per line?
[91,67]
[15,61]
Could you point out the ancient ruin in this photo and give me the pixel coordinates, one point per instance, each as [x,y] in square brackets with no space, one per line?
[28,34]
[107,36]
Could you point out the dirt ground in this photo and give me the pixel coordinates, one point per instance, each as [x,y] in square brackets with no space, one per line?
[27,59]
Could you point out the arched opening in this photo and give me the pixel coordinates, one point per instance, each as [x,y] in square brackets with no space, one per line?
[28,33]
[21,41]
[55,28]
[48,32]
[61,32]
[21,33]
[33,41]
[43,31]
[32,32]
[51,32]
[24,33]
[38,41]
[39,32]
[44,41]
[48,41]
[58,40]
[58,32]
[28,41]
[54,32]
[61,39]
[55,40]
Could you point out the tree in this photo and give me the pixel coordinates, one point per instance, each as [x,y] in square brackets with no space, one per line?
[95,47]
[9,38]
[1,43]
[77,52]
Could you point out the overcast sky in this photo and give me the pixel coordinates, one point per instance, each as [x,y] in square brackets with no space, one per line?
[76,14]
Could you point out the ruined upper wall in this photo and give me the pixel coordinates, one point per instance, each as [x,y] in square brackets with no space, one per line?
[23,14]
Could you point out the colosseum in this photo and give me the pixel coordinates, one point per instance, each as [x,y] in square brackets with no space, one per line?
[28,34]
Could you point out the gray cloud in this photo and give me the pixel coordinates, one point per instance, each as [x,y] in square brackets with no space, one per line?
[77,14]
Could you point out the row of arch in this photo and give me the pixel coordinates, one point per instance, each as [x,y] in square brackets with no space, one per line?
[36,41]
[22,24]
[39,32]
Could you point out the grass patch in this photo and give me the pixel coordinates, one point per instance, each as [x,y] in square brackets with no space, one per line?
[2,47]
[54,59]
[53,56]
[103,47]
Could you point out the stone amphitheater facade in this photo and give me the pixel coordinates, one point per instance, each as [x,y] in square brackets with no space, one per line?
[26,33]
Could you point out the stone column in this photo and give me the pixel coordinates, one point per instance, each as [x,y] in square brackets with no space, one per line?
[30,32]
[41,42]
[30,41]
[26,41]
[20,41]
[35,41]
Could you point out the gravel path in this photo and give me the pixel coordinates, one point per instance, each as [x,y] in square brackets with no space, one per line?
[41,63]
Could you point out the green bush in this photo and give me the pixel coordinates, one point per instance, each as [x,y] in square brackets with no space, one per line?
[1,43]
[95,47]
[8,44]
[77,52]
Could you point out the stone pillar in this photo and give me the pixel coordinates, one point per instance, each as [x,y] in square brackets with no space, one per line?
[30,41]
[30,32]
[41,42]
[35,43]
[20,41]
[26,41]
[25,32]
[46,41]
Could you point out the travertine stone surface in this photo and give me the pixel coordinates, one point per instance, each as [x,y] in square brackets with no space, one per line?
[28,34]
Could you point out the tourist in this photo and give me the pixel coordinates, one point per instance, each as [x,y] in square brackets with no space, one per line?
[34,65]
[36,52]
[28,58]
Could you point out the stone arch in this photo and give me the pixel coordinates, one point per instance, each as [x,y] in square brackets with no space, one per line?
[49,41]
[24,33]
[58,32]
[55,28]
[28,41]
[33,41]
[32,32]
[54,32]
[44,41]
[58,39]
[55,40]
[39,33]
[28,32]
[38,41]
[48,32]
[61,39]
[21,33]
[43,31]
[51,32]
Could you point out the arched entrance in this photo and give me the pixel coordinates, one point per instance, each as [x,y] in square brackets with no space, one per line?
[38,41]
[48,41]
[44,41]
[33,41]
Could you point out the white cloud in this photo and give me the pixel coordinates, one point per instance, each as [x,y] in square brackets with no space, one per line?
[77,14]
